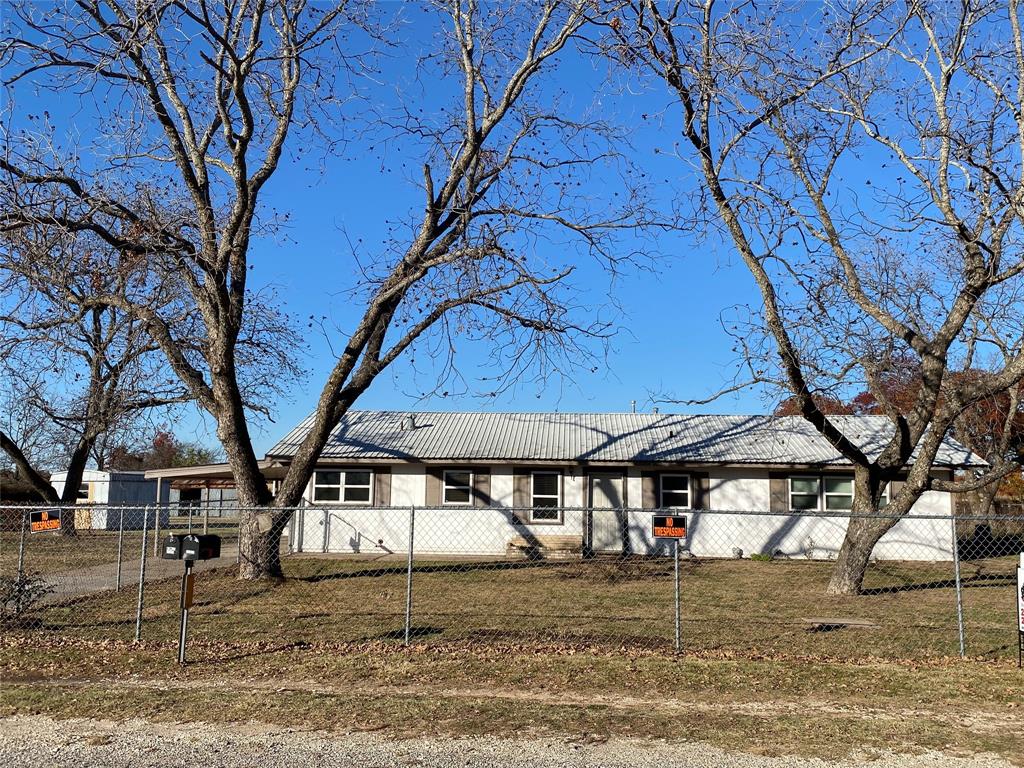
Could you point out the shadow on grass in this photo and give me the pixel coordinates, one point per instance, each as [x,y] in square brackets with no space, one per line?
[414,632]
[598,568]
[449,568]
[980,580]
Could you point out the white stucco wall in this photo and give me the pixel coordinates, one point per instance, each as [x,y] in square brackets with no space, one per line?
[488,531]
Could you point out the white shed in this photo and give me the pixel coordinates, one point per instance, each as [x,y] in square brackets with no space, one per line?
[105,496]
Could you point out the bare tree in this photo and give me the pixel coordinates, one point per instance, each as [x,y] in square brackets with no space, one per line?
[865,162]
[220,88]
[36,437]
[78,371]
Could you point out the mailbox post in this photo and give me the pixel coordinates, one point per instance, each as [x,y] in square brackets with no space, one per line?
[188,548]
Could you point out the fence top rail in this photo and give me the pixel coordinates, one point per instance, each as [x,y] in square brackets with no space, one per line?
[22,509]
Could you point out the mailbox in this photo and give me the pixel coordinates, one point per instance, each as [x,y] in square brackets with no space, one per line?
[172,549]
[200,547]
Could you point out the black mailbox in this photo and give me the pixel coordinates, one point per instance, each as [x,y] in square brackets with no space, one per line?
[200,547]
[172,549]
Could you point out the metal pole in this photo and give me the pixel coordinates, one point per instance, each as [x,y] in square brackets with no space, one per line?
[408,575]
[120,548]
[185,605]
[959,590]
[156,527]
[142,570]
[21,546]
[679,643]
[190,518]
[206,517]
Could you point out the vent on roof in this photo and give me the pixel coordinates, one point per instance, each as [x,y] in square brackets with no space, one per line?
[408,423]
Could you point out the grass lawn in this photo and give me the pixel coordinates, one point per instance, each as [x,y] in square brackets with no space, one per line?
[51,553]
[728,606]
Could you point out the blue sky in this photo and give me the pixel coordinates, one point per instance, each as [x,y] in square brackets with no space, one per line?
[671,342]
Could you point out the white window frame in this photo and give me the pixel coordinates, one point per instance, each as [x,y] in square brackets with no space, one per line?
[341,487]
[661,490]
[789,501]
[825,492]
[557,497]
[445,486]
[86,486]
[886,498]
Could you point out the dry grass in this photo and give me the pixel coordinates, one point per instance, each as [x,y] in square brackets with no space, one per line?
[574,649]
[774,706]
[51,553]
[908,612]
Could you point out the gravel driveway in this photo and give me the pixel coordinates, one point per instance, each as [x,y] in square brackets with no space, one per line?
[32,741]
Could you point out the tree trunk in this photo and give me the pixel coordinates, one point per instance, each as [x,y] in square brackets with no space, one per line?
[24,470]
[259,524]
[259,541]
[72,482]
[852,562]
[862,533]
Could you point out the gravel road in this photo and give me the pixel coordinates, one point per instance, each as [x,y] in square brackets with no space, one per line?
[32,741]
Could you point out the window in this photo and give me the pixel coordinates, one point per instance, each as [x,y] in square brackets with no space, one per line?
[84,492]
[349,486]
[457,486]
[804,493]
[838,494]
[884,501]
[544,496]
[675,491]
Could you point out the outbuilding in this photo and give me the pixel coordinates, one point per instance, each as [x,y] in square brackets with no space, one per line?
[105,496]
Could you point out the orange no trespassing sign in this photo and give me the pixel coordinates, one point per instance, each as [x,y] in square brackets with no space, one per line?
[44,520]
[668,526]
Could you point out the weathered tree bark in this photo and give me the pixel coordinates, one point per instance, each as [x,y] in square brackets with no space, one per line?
[854,555]
[862,534]
[27,471]
[259,541]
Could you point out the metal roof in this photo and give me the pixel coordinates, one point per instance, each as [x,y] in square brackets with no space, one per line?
[600,437]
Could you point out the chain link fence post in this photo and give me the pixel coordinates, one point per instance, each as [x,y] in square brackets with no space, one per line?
[21,547]
[679,640]
[142,570]
[120,548]
[959,588]
[156,526]
[408,575]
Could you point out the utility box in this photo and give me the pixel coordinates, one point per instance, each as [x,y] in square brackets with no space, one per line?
[172,548]
[200,547]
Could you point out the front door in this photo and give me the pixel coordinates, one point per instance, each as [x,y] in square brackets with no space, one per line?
[607,519]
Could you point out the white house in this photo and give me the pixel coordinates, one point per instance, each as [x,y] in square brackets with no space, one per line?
[506,483]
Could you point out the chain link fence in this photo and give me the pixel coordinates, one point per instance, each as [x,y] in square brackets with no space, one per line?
[739,582]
